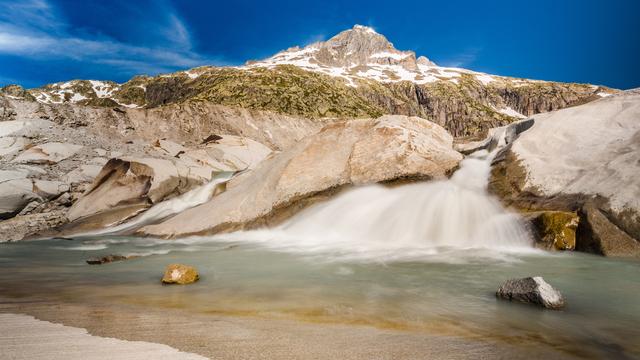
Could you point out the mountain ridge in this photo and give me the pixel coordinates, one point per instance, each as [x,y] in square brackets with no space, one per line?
[358,73]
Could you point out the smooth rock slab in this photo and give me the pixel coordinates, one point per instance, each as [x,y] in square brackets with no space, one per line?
[531,290]
[180,274]
[49,153]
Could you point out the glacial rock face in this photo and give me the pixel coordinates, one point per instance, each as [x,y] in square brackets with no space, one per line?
[345,153]
[585,157]
[531,291]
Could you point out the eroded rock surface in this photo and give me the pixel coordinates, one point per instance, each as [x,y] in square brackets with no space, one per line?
[342,154]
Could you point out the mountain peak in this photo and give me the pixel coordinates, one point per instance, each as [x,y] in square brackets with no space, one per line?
[366,29]
[357,52]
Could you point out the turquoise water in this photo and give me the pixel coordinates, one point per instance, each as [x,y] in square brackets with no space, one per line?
[448,291]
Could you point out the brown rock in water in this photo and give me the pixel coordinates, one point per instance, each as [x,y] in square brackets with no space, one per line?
[554,229]
[180,274]
[108,259]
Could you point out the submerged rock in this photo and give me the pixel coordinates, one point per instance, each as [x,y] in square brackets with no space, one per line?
[531,290]
[108,259]
[180,274]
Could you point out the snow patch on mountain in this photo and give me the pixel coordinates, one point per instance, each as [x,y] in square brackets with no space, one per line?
[363,54]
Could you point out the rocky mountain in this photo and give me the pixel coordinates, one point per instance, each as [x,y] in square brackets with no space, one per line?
[355,74]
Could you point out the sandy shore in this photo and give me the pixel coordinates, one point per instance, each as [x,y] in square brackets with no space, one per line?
[24,337]
[227,337]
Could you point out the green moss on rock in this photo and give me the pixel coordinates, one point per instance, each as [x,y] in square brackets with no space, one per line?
[555,229]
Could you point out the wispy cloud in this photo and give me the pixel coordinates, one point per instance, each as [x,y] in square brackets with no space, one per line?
[35,29]
[463,59]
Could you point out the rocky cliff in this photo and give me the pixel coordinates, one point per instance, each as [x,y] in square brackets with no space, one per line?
[356,74]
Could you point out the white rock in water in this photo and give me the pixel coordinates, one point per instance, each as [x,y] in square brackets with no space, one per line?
[531,290]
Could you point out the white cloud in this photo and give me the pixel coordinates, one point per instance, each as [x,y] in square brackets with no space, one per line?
[463,59]
[33,29]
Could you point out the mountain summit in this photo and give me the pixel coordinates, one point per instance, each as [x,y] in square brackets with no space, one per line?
[361,46]
[357,52]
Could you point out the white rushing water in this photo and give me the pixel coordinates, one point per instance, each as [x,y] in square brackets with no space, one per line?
[410,221]
[169,207]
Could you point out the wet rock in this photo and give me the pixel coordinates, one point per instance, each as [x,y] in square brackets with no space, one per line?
[531,290]
[597,234]
[554,229]
[108,259]
[180,274]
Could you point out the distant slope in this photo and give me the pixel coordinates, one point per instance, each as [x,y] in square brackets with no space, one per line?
[357,73]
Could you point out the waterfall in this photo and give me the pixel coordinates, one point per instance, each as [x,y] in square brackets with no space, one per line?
[405,221]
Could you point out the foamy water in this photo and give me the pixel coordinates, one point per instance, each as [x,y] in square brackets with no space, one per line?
[405,222]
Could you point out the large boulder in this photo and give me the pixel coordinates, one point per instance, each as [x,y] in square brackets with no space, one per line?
[571,157]
[117,185]
[531,290]
[342,154]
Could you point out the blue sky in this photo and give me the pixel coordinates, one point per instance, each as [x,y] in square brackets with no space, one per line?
[43,41]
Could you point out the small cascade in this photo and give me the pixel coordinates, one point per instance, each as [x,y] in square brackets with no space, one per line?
[169,207]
